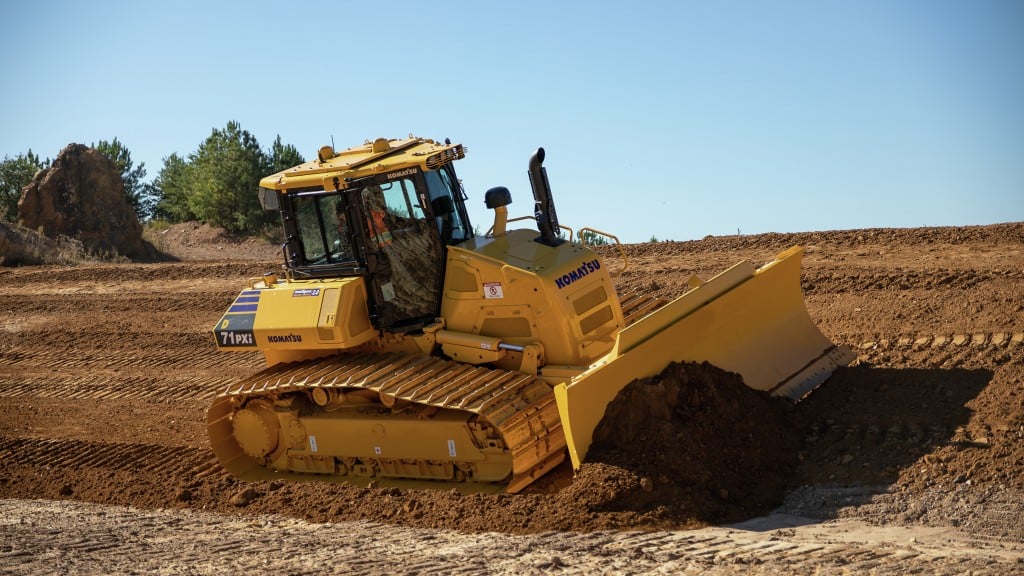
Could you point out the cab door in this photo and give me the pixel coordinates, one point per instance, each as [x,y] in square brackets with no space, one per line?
[403,233]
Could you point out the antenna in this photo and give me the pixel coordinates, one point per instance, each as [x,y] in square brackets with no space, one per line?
[332,140]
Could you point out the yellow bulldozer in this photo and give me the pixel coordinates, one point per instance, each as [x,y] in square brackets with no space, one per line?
[405,350]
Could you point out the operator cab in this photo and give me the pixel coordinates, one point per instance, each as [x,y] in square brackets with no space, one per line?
[391,229]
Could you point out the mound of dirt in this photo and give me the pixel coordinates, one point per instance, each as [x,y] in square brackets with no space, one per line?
[701,445]
[195,241]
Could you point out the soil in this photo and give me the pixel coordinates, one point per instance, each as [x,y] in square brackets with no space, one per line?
[910,460]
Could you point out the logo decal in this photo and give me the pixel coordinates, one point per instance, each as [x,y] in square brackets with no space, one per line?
[400,173]
[236,331]
[306,292]
[586,268]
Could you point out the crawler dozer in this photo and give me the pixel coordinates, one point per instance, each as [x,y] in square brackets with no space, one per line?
[403,349]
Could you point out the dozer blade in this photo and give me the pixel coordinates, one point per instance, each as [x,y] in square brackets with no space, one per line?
[752,322]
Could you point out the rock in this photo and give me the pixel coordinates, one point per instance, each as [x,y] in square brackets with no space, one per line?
[244,497]
[81,195]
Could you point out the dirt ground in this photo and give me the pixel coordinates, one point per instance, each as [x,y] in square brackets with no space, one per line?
[909,461]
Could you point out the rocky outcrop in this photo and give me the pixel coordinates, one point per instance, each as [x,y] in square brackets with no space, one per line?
[81,196]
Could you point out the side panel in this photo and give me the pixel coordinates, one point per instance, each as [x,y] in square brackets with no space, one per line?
[525,292]
[297,316]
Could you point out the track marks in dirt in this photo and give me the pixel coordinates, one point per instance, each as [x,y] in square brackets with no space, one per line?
[141,359]
[167,461]
[833,282]
[152,375]
[87,537]
[170,390]
[943,350]
[117,275]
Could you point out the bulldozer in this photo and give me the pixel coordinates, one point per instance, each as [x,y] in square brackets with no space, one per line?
[405,349]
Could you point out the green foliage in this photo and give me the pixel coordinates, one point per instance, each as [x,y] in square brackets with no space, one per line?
[140,195]
[172,187]
[591,238]
[283,157]
[217,183]
[226,172]
[15,174]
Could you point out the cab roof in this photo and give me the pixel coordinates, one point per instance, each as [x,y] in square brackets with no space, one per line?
[333,170]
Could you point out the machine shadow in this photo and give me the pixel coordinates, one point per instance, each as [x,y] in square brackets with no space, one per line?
[722,453]
[867,425]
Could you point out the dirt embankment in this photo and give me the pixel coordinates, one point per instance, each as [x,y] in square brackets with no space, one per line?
[106,371]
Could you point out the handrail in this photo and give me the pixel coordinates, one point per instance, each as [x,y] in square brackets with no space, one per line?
[490,231]
[618,245]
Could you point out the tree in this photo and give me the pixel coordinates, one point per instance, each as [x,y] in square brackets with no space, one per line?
[225,174]
[15,174]
[138,194]
[283,157]
[172,187]
[217,183]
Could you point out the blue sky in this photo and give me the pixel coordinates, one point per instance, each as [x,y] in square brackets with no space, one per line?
[668,119]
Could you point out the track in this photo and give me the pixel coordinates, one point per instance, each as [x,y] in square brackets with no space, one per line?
[516,411]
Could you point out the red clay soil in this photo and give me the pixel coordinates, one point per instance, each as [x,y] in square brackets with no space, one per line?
[106,371]
[701,446]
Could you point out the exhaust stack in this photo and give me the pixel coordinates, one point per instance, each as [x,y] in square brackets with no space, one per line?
[544,210]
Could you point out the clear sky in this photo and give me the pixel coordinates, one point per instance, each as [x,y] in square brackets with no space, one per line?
[675,119]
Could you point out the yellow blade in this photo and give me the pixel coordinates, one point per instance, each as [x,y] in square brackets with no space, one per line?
[752,322]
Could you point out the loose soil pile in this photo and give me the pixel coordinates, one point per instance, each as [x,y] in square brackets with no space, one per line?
[700,446]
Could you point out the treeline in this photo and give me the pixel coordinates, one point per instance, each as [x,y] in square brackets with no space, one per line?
[215,184]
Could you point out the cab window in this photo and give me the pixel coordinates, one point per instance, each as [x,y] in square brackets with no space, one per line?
[322,227]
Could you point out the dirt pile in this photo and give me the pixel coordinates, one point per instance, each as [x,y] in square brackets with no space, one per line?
[199,241]
[82,196]
[701,446]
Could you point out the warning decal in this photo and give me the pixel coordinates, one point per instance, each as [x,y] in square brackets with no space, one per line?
[493,290]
